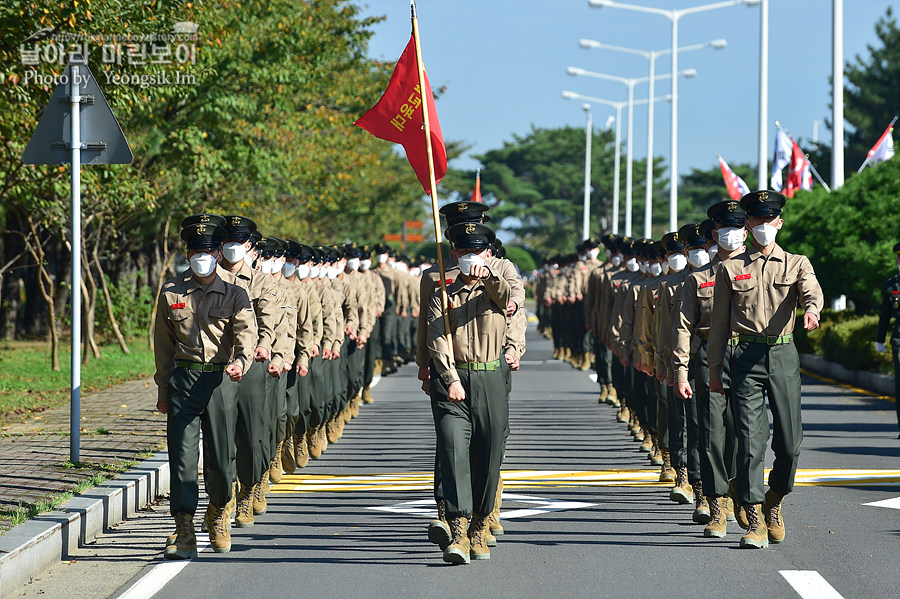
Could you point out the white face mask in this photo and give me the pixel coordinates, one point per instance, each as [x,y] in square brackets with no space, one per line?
[616,261]
[643,267]
[279,263]
[677,262]
[353,263]
[382,258]
[365,264]
[467,261]
[248,260]
[730,238]
[203,265]
[698,258]
[593,253]
[415,271]
[303,271]
[665,267]
[288,270]
[655,269]
[331,272]
[234,251]
[268,266]
[632,265]
[314,271]
[713,252]
[764,234]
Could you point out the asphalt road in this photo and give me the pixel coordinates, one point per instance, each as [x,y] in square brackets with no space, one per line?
[581,515]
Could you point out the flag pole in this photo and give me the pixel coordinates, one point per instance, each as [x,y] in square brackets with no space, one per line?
[871,152]
[434,201]
[811,165]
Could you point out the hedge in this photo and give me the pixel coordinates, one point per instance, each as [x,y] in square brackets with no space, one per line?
[845,338]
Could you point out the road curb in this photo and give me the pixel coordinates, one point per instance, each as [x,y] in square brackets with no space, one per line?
[32,547]
[876,384]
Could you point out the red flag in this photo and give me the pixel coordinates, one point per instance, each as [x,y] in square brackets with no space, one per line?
[800,176]
[736,186]
[398,117]
[476,195]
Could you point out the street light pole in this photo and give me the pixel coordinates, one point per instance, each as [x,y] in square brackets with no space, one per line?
[674,16]
[762,164]
[837,96]
[586,222]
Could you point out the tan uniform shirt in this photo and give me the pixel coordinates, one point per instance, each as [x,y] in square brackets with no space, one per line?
[332,316]
[758,295]
[669,294]
[692,316]
[477,324]
[263,294]
[209,325]
[286,329]
[316,316]
[515,334]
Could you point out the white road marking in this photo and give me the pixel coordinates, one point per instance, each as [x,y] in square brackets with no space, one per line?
[891,503]
[809,584]
[593,377]
[159,576]
[418,507]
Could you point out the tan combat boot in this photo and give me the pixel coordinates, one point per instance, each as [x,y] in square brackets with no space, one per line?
[666,472]
[203,525]
[772,512]
[457,552]
[647,442]
[728,508]
[323,438]
[757,536]
[184,545]
[219,536]
[301,450]
[739,514]
[312,442]
[612,396]
[244,517]
[379,366]
[603,394]
[717,526]
[346,414]
[588,361]
[342,419]
[439,529]
[682,492]
[259,497]
[331,429]
[275,467]
[494,518]
[287,456]
[656,455]
[353,405]
[702,507]
[478,547]
[367,395]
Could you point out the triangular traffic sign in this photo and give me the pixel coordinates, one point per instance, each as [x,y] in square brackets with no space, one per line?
[101,136]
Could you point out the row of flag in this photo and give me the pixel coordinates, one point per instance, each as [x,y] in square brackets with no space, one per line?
[800,173]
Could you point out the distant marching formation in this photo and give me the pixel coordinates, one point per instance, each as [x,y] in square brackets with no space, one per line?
[690,335]
[269,346]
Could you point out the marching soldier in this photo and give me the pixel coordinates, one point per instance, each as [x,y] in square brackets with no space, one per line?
[377,294]
[890,308]
[205,336]
[755,296]
[468,390]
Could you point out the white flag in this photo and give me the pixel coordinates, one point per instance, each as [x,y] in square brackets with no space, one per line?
[782,158]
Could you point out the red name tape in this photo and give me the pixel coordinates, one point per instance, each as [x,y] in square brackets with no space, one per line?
[707,284]
[448,281]
[177,306]
[895,292]
[743,277]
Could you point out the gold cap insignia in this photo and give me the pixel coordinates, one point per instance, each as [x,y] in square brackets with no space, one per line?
[675,237]
[201,229]
[235,221]
[204,218]
[763,196]
[732,206]
[463,207]
[470,228]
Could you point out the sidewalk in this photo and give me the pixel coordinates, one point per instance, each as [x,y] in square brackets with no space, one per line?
[119,428]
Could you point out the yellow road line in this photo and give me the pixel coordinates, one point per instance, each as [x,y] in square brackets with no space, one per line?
[825,379]
[522,479]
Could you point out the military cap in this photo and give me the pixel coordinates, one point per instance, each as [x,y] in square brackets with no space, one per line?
[590,243]
[469,235]
[464,212]
[280,247]
[728,213]
[200,236]
[626,245]
[293,249]
[671,243]
[352,250]
[897,248]
[690,236]
[609,241]
[763,203]
[239,228]
[706,228]
[268,246]
[305,253]
[203,219]
[255,237]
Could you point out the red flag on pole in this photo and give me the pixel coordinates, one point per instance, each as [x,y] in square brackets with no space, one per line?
[398,117]
[476,195]
[883,148]
[736,186]
[799,176]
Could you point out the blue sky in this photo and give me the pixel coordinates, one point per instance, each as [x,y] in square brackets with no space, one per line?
[504,66]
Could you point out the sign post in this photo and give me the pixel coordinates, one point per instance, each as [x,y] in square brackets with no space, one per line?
[76,101]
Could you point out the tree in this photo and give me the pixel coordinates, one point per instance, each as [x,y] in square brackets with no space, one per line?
[700,189]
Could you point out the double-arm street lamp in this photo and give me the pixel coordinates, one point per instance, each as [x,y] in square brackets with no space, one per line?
[674,15]
[651,55]
[630,83]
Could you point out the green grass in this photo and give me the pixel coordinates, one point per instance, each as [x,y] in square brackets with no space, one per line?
[28,384]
